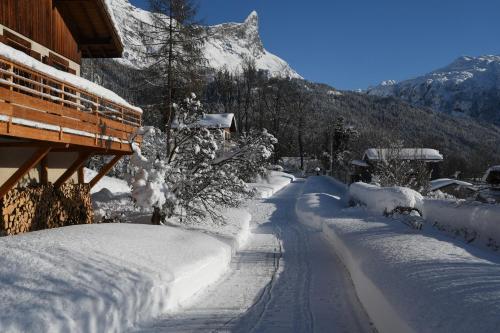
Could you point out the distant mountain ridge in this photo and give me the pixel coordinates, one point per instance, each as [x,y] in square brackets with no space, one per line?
[227,46]
[469,86]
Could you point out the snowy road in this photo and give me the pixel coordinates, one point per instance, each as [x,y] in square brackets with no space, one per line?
[286,280]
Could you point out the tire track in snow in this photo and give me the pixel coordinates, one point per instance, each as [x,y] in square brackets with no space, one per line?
[265,295]
[286,280]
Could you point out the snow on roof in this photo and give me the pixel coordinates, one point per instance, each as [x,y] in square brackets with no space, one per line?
[214,120]
[77,81]
[418,154]
[436,184]
[359,163]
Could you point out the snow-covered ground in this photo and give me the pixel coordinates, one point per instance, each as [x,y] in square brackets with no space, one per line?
[103,277]
[113,185]
[286,279]
[407,280]
[108,277]
[272,273]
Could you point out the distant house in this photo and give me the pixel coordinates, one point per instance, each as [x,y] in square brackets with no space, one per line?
[51,119]
[363,169]
[223,121]
[457,188]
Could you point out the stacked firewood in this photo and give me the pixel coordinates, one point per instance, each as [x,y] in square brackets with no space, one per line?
[44,207]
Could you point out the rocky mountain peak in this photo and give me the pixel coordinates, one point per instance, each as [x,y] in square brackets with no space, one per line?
[253,19]
[227,46]
[468,86]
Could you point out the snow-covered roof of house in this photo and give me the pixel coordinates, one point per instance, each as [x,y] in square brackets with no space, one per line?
[416,154]
[71,79]
[213,120]
[436,184]
[360,163]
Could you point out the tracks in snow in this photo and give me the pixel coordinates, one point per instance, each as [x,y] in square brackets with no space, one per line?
[286,280]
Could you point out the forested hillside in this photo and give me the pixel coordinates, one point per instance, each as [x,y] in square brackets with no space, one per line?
[308,119]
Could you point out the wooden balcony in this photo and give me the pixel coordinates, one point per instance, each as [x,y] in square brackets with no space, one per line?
[37,107]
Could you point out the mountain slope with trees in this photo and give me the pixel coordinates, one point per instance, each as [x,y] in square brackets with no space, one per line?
[469,86]
[307,118]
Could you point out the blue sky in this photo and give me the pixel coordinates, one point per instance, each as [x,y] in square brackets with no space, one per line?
[352,44]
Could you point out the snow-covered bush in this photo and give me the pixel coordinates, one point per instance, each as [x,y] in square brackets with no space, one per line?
[471,220]
[194,180]
[384,200]
[395,170]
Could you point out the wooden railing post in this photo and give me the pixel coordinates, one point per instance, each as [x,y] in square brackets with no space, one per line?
[11,78]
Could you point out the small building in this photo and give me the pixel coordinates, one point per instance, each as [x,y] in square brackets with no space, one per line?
[51,119]
[364,168]
[215,121]
[457,188]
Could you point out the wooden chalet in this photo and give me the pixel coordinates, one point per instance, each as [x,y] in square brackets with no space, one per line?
[362,170]
[52,120]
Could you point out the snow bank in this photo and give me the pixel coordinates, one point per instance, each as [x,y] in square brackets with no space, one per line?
[382,200]
[273,183]
[475,221]
[235,231]
[409,281]
[102,278]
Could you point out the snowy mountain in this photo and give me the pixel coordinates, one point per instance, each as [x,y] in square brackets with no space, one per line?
[469,86]
[227,46]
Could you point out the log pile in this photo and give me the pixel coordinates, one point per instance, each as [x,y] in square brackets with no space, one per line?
[45,207]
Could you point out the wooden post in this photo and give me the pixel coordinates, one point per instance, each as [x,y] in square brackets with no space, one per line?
[27,166]
[82,157]
[105,169]
[44,174]
[81,176]
[11,78]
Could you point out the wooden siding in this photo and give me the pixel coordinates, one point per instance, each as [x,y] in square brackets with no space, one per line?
[41,22]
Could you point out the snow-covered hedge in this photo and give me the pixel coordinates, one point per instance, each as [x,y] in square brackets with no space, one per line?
[408,282]
[275,181]
[475,221]
[382,200]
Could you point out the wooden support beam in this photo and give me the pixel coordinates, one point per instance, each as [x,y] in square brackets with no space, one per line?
[82,157]
[44,171]
[81,176]
[27,166]
[105,169]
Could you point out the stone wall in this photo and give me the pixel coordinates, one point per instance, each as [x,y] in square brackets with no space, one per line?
[44,207]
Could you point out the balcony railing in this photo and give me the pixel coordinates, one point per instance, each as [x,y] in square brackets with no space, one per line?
[36,106]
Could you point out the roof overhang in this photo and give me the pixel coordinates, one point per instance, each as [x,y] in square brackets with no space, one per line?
[92,26]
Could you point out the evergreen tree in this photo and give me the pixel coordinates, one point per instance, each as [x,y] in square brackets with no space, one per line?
[175,43]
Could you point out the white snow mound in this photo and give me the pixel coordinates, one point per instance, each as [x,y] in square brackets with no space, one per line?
[102,277]
[275,181]
[474,217]
[382,200]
